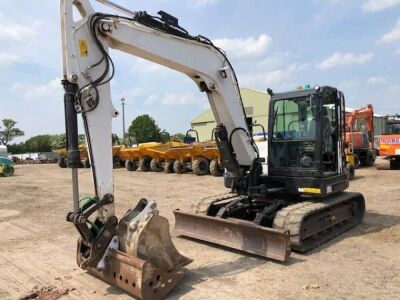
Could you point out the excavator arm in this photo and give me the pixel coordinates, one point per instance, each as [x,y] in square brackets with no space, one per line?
[88,66]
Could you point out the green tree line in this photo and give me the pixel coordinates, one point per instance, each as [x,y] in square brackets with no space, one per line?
[143,129]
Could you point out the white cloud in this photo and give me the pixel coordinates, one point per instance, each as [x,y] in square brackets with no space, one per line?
[244,47]
[24,39]
[376,80]
[394,88]
[179,99]
[263,80]
[343,59]
[392,35]
[296,67]
[52,89]
[378,5]
[275,61]
[281,78]
[202,2]
[16,32]
[348,84]
[151,99]
[145,66]
[9,58]
[129,94]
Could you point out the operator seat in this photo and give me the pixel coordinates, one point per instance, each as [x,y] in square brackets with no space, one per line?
[308,127]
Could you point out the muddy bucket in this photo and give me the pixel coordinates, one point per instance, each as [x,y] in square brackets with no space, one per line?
[140,258]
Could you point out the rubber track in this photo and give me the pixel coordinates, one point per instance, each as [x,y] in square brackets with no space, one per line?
[204,203]
[292,216]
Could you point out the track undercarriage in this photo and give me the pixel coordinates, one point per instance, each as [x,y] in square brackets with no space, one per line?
[270,227]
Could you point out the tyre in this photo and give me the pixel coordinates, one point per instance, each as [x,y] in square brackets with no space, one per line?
[350,171]
[86,163]
[131,165]
[8,171]
[179,167]
[62,163]
[215,169]
[356,161]
[169,166]
[144,164]
[200,166]
[369,161]
[116,162]
[155,166]
[395,164]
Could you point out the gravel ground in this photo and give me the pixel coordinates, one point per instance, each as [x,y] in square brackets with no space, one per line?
[37,245]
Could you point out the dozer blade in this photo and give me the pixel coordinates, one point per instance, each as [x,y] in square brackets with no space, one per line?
[234,233]
[140,258]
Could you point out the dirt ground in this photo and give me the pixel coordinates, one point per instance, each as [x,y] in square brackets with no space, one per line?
[37,245]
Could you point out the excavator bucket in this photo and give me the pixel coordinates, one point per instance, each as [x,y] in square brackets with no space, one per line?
[234,233]
[141,259]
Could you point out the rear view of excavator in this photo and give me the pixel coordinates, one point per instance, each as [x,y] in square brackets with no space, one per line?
[389,145]
[360,137]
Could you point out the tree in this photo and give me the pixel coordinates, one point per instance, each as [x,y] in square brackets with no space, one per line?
[144,129]
[38,143]
[58,141]
[9,132]
[114,139]
[179,137]
[16,148]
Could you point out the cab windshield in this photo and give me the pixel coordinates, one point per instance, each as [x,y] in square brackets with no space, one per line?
[294,119]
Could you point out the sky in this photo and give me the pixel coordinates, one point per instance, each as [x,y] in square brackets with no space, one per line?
[353,45]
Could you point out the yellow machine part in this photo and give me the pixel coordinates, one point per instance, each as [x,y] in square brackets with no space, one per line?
[350,158]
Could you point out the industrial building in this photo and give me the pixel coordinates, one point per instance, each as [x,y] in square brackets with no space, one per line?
[256,106]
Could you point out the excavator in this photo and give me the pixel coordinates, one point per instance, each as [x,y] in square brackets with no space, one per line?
[293,199]
[360,137]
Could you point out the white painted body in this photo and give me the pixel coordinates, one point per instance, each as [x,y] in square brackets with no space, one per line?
[199,61]
[262,146]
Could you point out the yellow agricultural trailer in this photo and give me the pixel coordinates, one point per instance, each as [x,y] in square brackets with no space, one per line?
[133,156]
[117,162]
[201,158]
[84,156]
[161,157]
[62,160]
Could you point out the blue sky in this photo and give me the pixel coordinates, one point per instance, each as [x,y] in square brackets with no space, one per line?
[351,44]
